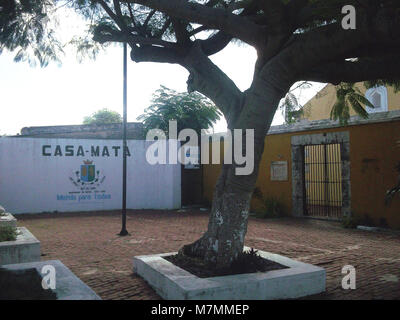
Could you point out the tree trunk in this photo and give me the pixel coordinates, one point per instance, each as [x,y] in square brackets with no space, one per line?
[224,239]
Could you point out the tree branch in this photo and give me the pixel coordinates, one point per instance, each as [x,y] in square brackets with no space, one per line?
[215,43]
[182,35]
[275,12]
[206,78]
[214,18]
[331,42]
[151,14]
[105,34]
[362,70]
[132,16]
[156,54]
[108,10]
[164,28]
[197,30]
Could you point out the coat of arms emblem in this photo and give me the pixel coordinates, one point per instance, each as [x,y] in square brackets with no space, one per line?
[88,173]
[87,176]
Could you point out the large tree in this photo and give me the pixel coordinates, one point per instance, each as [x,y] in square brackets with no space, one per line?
[295,40]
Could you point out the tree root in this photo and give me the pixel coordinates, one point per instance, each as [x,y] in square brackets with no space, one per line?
[196,249]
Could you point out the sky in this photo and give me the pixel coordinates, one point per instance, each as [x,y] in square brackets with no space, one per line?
[64,94]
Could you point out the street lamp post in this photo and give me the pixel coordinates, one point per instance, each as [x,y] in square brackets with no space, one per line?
[124,232]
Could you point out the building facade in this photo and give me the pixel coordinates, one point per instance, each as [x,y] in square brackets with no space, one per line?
[321,169]
[383,98]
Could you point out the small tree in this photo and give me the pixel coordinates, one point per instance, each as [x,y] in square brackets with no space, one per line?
[292,110]
[192,111]
[103,116]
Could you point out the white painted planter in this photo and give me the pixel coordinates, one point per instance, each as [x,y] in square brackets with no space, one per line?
[25,249]
[173,283]
[68,285]
[7,220]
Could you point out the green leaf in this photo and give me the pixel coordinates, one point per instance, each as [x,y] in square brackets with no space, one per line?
[360,98]
[357,107]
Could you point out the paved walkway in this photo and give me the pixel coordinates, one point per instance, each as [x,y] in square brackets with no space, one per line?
[88,244]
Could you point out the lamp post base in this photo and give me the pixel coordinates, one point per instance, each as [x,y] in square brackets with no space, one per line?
[123,233]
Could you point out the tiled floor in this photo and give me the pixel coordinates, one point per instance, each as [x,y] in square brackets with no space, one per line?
[89,245]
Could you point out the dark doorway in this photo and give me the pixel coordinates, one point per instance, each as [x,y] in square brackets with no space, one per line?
[191,187]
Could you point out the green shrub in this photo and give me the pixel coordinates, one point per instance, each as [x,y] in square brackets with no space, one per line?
[206,203]
[8,233]
[273,209]
[257,194]
[383,223]
[366,220]
[351,221]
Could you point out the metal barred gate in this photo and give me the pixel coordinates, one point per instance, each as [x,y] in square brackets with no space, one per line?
[323,181]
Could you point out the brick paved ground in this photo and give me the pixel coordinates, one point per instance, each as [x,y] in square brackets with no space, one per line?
[89,246]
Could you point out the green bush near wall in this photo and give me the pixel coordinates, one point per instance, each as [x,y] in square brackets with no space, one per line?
[354,220]
[272,207]
[351,221]
[8,233]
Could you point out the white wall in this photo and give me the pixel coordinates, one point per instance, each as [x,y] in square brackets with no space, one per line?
[35,178]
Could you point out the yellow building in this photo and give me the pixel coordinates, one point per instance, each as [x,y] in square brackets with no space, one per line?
[383,98]
[321,169]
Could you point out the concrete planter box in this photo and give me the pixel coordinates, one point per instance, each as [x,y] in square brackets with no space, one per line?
[7,220]
[25,249]
[68,285]
[173,283]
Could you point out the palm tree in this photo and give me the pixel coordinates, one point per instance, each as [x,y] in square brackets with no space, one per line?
[349,96]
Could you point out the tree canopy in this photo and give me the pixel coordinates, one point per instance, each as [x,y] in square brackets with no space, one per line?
[25,28]
[192,111]
[103,116]
[166,30]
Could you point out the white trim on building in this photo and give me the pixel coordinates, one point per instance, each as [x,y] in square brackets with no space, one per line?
[379,98]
